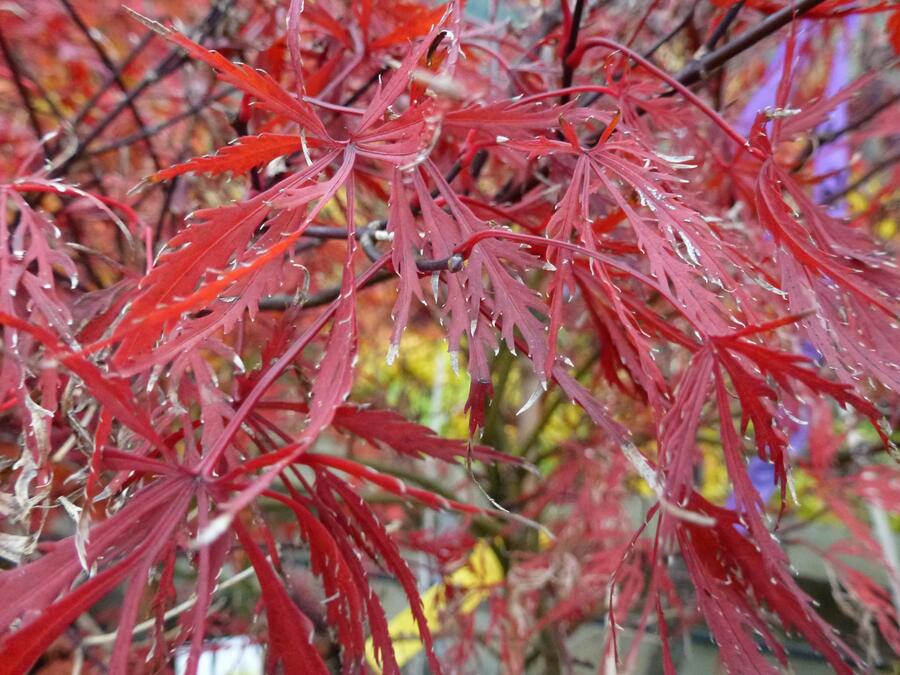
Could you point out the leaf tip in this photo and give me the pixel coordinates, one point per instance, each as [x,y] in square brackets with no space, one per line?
[155,26]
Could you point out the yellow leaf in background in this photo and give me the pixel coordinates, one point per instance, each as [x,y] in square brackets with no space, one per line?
[887,228]
[859,201]
[716,485]
[481,571]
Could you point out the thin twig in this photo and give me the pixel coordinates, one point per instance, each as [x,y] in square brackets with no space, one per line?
[281,302]
[671,34]
[452,263]
[168,194]
[168,66]
[15,69]
[701,68]
[355,96]
[875,169]
[172,121]
[174,60]
[110,79]
[107,638]
[723,26]
[860,121]
[816,141]
[114,73]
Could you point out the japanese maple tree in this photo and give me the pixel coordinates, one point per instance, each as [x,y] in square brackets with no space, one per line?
[650,236]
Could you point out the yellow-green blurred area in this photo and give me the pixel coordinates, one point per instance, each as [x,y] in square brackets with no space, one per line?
[421,384]
[884,216]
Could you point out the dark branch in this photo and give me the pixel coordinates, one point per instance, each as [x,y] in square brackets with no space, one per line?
[701,68]
[114,73]
[15,69]
[452,263]
[671,34]
[816,141]
[356,95]
[860,121]
[723,26]
[174,60]
[568,71]
[277,303]
[875,169]
[111,79]
[152,131]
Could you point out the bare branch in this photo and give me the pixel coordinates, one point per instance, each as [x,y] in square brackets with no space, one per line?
[114,73]
[568,71]
[16,70]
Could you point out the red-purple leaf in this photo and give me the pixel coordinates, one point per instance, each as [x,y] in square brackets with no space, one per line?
[290,631]
[238,157]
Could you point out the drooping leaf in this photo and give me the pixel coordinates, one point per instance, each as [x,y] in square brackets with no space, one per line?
[290,631]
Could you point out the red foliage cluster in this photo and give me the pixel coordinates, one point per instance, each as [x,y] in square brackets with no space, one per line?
[542,180]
